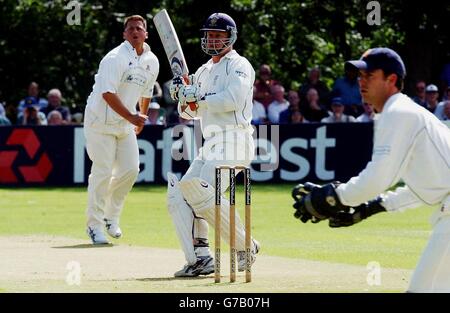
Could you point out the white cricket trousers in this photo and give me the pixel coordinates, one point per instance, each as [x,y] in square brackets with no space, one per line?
[432,273]
[236,147]
[114,153]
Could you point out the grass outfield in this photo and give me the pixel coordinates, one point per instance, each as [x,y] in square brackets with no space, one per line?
[394,240]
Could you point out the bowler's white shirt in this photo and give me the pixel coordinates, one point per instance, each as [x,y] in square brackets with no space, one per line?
[411,145]
[126,74]
[228,89]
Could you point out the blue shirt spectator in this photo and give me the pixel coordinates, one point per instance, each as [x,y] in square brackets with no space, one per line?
[431,96]
[33,91]
[31,114]
[445,77]
[347,88]
[338,115]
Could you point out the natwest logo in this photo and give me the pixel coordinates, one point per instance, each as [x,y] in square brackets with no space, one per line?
[23,140]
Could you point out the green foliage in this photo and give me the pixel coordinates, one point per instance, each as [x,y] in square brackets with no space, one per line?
[36,43]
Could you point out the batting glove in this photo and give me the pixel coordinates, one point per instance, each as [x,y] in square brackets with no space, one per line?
[189,94]
[175,85]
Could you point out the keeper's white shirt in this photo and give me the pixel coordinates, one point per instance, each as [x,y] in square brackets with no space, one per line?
[228,90]
[412,145]
[126,74]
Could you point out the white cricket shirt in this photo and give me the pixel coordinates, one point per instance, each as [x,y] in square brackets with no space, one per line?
[228,90]
[126,74]
[412,145]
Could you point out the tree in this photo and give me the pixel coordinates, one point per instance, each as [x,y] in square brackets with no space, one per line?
[36,43]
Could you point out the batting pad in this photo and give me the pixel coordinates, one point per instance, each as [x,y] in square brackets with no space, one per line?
[210,216]
[182,217]
[198,193]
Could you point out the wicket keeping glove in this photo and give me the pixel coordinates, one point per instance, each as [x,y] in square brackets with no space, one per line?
[359,213]
[316,203]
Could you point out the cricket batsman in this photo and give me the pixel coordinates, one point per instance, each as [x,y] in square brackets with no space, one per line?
[220,95]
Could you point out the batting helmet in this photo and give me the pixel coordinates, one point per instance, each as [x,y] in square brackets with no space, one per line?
[218,22]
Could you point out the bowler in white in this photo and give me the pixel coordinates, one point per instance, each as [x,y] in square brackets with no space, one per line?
[125,78]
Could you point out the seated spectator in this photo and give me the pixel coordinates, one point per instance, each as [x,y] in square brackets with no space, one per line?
[446,112]
[368,115]
[76,119]
[259,115]
[338,116]
[294,105]
[314,81]
[297,118]
[55,118]
[31,114]
[3,119]
[347,88]
[431,96]
[33,91]
[54,97]
[263,86]
[419,96]
[278,104]
[439,112]
[154,117]
[313,111]
[259,112]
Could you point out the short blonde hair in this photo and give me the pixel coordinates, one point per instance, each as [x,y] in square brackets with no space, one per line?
[55,92]
[134,18]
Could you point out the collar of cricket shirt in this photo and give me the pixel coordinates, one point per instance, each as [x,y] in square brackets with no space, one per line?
[391,100]
[133,52]
[230,54]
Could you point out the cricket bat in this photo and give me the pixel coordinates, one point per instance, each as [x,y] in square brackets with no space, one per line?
[171,43]
[172,47]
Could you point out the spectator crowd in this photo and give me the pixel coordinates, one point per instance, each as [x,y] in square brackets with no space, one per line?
[272,103]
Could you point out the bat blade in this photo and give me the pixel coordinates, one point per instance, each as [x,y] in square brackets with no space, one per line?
[170,43]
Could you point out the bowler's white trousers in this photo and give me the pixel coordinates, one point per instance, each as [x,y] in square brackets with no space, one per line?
[114,153]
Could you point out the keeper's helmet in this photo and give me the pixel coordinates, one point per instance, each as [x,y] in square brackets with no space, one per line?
[218,22]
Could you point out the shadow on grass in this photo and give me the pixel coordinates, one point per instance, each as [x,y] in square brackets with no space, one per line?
[172,278]
[85,246]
